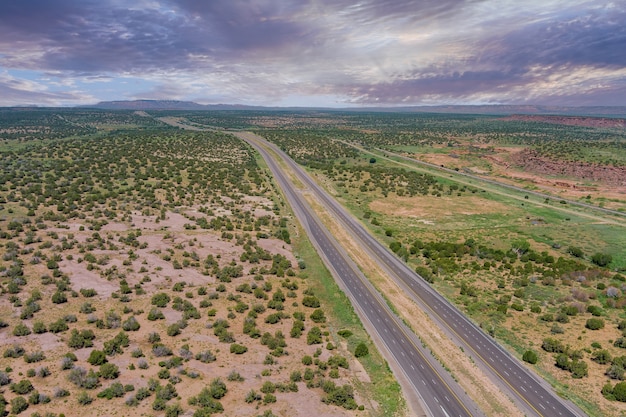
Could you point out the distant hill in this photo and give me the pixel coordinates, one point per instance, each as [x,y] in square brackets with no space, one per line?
[166,105]
[510,109]
[451,109]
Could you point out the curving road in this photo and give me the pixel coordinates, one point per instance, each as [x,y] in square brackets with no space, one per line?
[531,393]
[438,393]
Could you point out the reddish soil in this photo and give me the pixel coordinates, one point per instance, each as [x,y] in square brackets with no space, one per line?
[571,120]
[530,160]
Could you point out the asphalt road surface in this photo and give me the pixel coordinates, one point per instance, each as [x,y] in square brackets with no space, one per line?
[440,395]
[531,393]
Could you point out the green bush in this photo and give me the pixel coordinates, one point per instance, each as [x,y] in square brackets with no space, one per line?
[361,350]
[601,259]
[21,330]
[530,357]
[314,336]
[160,299]
[97,358]
[18,404]
[238,349]
[594,324]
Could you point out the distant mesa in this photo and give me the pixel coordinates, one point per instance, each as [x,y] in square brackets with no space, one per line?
[496,110]
[164,105]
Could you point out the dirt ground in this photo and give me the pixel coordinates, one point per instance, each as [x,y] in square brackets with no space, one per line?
[159,237]
[513,165]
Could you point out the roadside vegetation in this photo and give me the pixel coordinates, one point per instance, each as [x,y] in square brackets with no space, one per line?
[546,280]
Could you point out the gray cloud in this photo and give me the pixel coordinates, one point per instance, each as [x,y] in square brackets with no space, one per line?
[372,51]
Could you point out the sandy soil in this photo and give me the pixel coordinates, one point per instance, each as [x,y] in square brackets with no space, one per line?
[159,238]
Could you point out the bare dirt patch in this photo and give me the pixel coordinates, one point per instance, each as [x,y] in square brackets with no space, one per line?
[432,207]
[530,160]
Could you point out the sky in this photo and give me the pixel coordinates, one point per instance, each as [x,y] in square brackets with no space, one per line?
[312,53]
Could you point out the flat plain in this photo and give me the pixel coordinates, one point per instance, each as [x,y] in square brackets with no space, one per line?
[172,255]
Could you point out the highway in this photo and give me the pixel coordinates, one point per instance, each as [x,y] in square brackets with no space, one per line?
[438,393]
[530,392]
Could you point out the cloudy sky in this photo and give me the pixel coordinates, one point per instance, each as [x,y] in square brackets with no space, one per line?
[314,52]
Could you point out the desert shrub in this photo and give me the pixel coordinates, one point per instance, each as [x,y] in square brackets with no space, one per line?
[131,324]
[97,358]
[238,349]
[594,324]
[173,330]
[297,328]
[235,376]
[205,356]
[36,356]
[83,398]
[5,379]
[160,299]
[21,330]
[60,392]
[552,345]
[23,387]
[88,292]
[619,391]
[18,404]
[361,350]
[39,327]
[318,316]
[83,379]
[58,326]
[154,337]
[14,351]
[81,339]
[601,259]
[66,363]
[530,357]
[310,301]
[155,314]
[115,345]
[160,350]
[109,371]
[43,371]
[594,310]
[314,336]
[602,357]
[115,390]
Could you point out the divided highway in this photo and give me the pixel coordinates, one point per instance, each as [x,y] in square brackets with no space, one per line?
[439,394]
[533,394]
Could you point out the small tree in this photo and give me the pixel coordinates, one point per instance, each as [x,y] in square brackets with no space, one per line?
[97,357]
[601,259]
[619,391]
[530,357]
[18,404]
[361,350]
[160,300]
